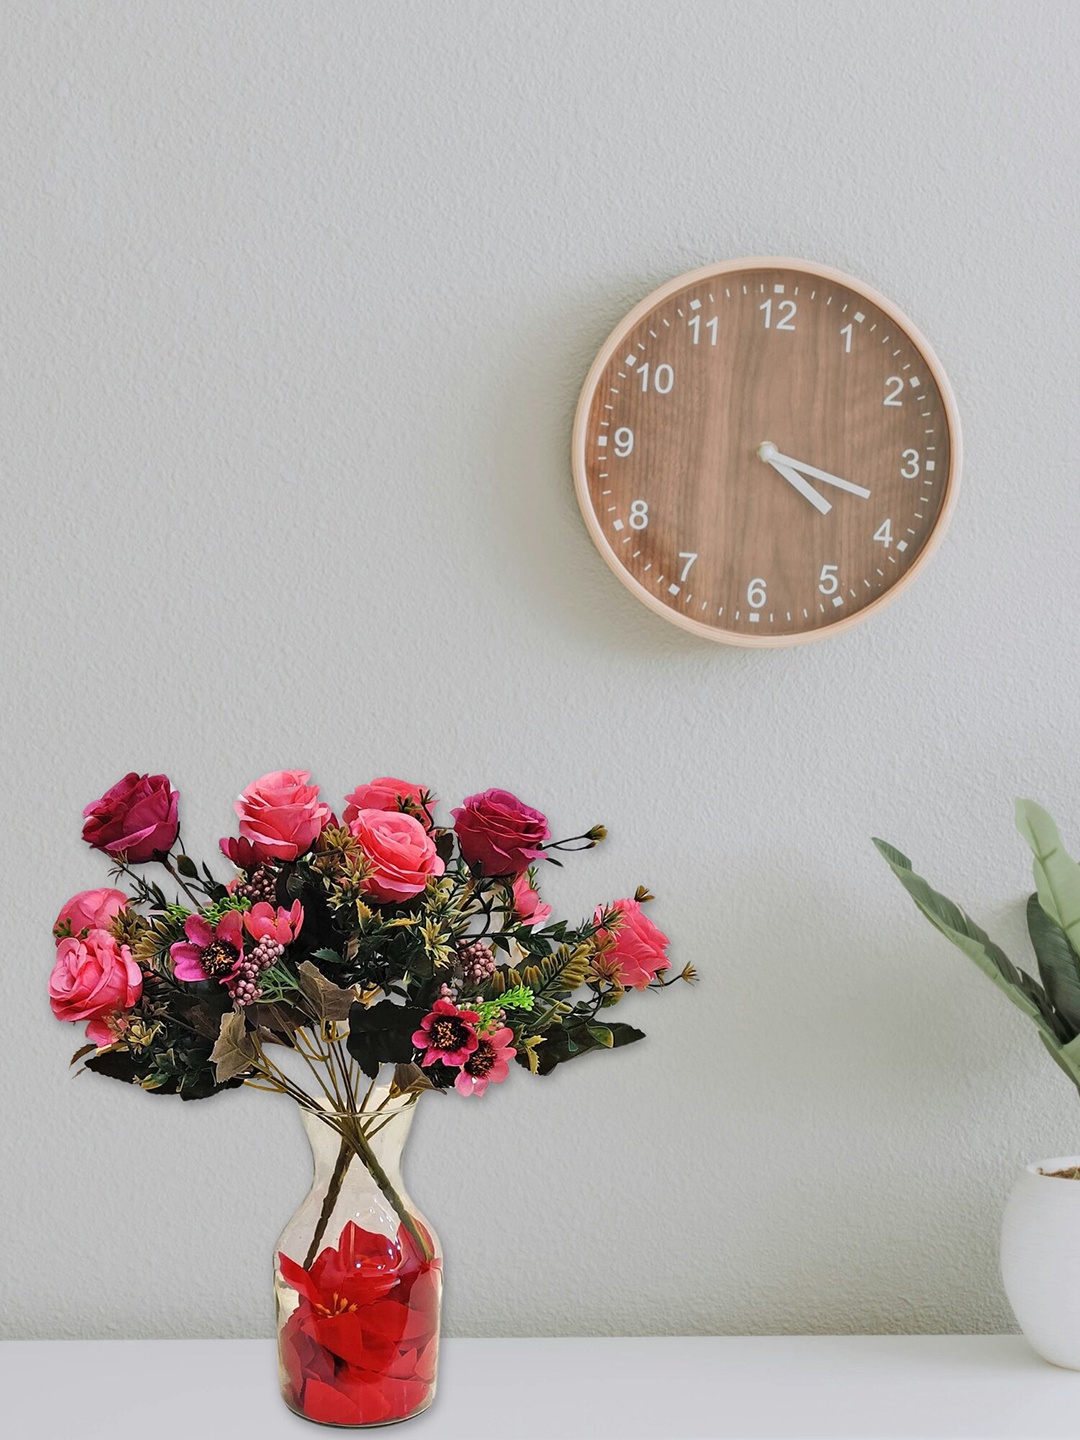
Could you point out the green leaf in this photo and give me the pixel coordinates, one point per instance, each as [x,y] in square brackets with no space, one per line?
[1057,875]
[560,1044]
[1064,1056]
[187,867]
[327,1001]
[409,1080]
[382,1034]
[327,956]
[234,1052]
[1058,965]
[117,1064]
[1025,993]
[623,1034]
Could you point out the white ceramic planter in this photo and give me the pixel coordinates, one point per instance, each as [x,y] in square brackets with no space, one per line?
[1040,1260]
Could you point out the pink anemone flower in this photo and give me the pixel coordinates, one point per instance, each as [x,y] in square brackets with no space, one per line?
[209,952]
[489,1064]
[447,1034]
[284,926]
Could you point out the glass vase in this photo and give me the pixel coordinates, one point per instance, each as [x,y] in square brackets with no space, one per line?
[358,1276]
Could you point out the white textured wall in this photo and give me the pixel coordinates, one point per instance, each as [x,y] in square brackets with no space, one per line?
[296,302]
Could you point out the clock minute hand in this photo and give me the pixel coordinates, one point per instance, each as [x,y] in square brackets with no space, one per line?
[822,475]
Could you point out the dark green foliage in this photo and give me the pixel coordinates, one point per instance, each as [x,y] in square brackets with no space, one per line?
[1059,968]
[564,1044]
[181,1066]
[382,1035]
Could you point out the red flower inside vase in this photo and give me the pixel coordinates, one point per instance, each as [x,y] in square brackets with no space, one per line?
[361,1346]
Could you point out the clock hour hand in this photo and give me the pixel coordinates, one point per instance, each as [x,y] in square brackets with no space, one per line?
[768,453]
[823,475]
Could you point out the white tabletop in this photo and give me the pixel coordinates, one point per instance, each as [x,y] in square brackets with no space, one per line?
[784,1388]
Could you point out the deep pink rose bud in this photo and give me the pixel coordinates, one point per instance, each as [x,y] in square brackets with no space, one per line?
[136,818]
[498,834]
[240,851]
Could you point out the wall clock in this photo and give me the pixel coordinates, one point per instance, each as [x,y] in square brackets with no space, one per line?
[766,451]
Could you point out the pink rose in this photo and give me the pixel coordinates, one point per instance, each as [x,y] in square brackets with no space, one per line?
[400,851]
[527,906]
[93,978]
[89,910]
[386,793]
[640,946]
[498,834]
[281,815]
[136,818]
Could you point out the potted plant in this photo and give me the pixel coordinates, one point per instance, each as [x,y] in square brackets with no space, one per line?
[354,965]
[1040,1239]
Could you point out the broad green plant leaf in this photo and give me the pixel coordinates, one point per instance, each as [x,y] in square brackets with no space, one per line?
[1066,1056]
[1058,965]
[1057,875]
[1025,993]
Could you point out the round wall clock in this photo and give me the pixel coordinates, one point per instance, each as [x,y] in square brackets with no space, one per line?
[766,451]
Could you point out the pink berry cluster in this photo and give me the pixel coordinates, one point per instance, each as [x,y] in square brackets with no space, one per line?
[476,962]
[244,985]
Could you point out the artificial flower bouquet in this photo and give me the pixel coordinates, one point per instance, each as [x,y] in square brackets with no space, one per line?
[352,964]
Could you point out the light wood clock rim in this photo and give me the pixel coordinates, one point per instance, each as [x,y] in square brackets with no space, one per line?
[698,276]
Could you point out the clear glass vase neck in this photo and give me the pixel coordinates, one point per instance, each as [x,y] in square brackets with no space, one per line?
[382,1123]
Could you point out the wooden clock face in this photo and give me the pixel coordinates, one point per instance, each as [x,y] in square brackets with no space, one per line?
[766,451]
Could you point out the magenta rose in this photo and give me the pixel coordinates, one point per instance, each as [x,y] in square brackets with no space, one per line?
[386,793]
[400,852]
[89,910]
[640,949]
[92,979]
[136,818]
[281,815]
[498,834]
